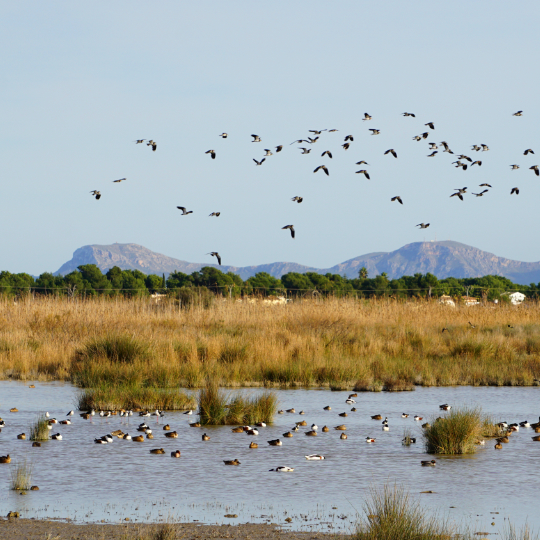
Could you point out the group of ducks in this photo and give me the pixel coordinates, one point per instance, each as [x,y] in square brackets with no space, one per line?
[146,431]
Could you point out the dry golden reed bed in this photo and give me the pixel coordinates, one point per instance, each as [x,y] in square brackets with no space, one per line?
[337,342]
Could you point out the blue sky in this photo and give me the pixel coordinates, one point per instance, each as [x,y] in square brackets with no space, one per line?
[79,82]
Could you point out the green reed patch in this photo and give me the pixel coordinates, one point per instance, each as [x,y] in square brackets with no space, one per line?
[107,396]
[39,430]
[217,407]
[458,432]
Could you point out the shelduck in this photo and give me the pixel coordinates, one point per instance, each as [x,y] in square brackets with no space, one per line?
[314,457]
[282,469]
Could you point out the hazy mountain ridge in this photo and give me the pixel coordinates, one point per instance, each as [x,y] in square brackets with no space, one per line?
[443,259]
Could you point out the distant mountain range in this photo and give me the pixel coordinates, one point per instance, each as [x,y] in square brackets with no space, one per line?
[443,259]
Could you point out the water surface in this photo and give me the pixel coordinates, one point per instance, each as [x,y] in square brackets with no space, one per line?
[88,482]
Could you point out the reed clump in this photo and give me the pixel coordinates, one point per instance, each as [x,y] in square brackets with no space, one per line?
[107,396]
[21,475]
[216,407]
[391,514]
[457,432]
[309,342]
[39,430]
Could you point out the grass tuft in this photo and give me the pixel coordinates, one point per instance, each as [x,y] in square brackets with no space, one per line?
[216,407]
[21,475]
[106,396]
[39,430]
[122,348]
[391,514]
[458,431]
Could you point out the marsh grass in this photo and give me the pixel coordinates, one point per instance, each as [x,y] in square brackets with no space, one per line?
[217,407]
[108,396]
[457,432]
[391,514]
[39,430]
[21,475]
[161,531]
[379,343]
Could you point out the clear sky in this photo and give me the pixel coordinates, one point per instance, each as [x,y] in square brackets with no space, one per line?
[81,81]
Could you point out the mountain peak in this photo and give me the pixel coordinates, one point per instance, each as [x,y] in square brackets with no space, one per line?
[441,258]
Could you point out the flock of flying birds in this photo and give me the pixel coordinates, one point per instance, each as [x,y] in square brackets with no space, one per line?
[463,161]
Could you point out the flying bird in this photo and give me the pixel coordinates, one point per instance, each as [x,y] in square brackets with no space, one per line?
[216,255]
[479,163]
[279,148]
[212,153]
[349,138]
[409,114]
[475,147]
[305,150]
[397,198]
[299,141]
[346,146]
[297,199]
[256,138]
[224,135]
[514,167]
[332,130]
[366,116]
[433,146]
[317,132]
[312,141]
[291,227]
[461,190]
[485,147]
[458,194]
[519,113]
[119,180]
[184,211]
[152,144]
[485,185]
[268,152]
[433,153]
[323,167]
[515,190]
[96,194]
[259,162]
[391,151]
[362,162]
[217,214]
[327,153]
[375,131]
[364,172]
[139,141]
[423,225]
[528,151]
[430,125]
[535,169]
[481,193]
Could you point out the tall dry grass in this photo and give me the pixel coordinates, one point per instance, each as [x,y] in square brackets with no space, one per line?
[21,475]
[375,343]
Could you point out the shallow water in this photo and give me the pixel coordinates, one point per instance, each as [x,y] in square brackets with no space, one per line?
[88,482]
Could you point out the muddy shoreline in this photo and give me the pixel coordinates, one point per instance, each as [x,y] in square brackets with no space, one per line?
[39,529]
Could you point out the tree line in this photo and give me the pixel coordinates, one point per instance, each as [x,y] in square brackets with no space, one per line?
[88,280]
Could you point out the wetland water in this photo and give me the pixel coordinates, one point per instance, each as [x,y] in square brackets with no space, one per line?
[89,482]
